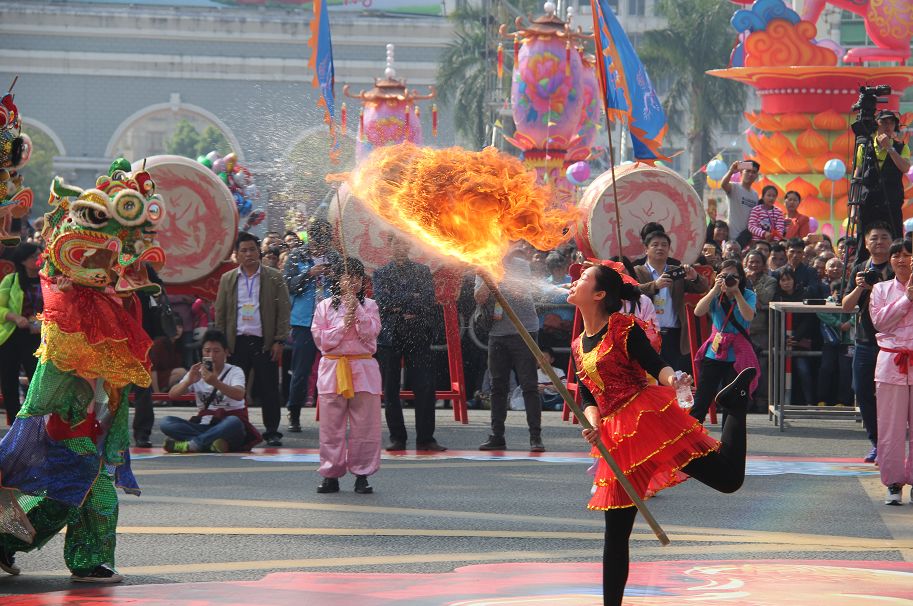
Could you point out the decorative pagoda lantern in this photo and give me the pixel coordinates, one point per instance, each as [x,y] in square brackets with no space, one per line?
[547,96]
[389,114]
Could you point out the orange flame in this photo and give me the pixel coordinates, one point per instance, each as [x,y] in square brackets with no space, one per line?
[463,204]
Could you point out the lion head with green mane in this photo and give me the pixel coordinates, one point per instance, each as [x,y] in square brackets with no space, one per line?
[105,236]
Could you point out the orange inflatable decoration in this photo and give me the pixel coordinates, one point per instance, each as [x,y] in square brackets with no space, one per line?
[806,97]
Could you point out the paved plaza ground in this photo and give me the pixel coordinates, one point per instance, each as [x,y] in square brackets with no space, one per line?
[470,528]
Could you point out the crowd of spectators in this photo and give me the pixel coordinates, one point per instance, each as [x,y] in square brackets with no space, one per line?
[761,255]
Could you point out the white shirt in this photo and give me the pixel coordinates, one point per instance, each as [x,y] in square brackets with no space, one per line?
[741,201]
[662,302]
[249,304]
[233,376]
[544,379]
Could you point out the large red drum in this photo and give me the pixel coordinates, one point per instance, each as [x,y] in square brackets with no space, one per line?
[645,193]
[365,235]
[201,219]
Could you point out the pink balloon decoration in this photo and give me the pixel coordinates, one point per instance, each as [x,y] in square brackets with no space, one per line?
[813,225]
[578,172]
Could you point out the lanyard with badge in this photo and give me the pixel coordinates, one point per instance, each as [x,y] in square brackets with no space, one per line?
[248,309]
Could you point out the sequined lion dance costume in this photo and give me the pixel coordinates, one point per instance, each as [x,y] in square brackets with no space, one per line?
[15,151]
[68,446]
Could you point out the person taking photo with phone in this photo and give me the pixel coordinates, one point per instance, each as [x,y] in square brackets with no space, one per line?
[221,423]
[728,350]
[741,198]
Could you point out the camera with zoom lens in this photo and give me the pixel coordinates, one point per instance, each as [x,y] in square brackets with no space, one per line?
[871,276]
[870,97]
[676,272]
[731,280]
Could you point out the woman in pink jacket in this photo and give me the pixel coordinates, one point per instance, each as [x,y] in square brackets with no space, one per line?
[345,329]
[891,308]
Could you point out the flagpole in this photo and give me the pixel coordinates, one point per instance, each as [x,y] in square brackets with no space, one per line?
[614,190]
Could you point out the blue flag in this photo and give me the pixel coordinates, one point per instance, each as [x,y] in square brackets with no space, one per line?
[321,62]
[626,87]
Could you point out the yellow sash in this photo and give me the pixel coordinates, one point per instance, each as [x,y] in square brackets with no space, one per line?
[344,385]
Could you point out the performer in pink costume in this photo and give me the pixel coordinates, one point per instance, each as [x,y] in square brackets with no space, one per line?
[891,308]
[345,330]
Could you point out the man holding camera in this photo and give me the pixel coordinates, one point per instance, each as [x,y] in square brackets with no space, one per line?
[866,274]
[666,285]
[221,423]
[741,199]
[884,178]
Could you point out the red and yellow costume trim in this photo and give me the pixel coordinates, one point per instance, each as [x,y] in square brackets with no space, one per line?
[646,432]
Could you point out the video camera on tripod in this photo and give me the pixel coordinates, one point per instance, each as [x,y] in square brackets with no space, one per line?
[870,97]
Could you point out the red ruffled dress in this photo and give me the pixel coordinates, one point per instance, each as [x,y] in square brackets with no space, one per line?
[643,427]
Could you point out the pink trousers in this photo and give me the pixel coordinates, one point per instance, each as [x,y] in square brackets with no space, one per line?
[895,433]
[360,453]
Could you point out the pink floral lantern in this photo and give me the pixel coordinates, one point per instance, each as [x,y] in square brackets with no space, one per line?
[389,114]
[547,95]
[583,147]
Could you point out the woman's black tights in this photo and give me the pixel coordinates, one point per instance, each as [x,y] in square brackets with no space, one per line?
[722,470]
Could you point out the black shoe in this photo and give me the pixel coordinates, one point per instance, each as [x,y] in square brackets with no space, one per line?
[431,446]
[274,442]
[142,442]
[100,574]
[328,485]
[362,486]
[536,445]
[8,563]
[294,422]
[734,398]
[494,443]
[395,446]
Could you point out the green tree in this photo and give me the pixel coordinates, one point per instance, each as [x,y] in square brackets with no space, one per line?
[212,139]
[465,73]
[698,38]
[184,140]
[39,172]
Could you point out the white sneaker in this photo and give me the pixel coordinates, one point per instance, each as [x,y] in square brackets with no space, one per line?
[894,495]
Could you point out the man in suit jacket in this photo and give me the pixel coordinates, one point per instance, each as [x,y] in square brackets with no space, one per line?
[253,309]
[668,297]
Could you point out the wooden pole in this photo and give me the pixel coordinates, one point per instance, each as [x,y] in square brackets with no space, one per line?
[562,389]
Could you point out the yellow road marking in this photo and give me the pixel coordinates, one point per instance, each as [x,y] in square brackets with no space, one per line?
[779,540]
[387,466]
[447,558]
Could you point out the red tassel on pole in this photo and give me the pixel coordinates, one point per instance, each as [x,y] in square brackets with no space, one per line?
[361,125]
[343,116]
[434,119]
[516,50]
[406,127]
[567,59]
[500,62]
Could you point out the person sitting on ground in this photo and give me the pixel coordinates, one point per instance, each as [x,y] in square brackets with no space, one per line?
[221,423]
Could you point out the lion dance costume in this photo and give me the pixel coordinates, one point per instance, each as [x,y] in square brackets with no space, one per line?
[68,447]
[15,151]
